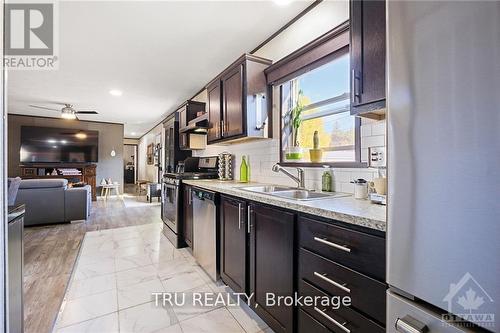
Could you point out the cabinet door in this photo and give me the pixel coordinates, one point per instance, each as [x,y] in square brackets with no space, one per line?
[271,263]
[182,117]
[232,84]
[188,216]
[214,112]
[233,243]
[367,53]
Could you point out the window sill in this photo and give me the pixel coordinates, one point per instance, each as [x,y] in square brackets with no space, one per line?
[320,165]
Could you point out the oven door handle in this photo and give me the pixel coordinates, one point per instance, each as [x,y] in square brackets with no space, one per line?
[173,187]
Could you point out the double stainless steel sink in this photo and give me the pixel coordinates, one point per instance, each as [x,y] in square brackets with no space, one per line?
[292,193]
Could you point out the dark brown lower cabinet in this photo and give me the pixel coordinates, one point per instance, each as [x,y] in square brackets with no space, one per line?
[337,318]
[270,253]
[306,323]
[187,227]
[233,228]
[271,264]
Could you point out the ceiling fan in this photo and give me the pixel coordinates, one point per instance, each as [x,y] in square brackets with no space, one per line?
[67,111]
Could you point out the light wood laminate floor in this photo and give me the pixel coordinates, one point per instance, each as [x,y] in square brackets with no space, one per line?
[50,253]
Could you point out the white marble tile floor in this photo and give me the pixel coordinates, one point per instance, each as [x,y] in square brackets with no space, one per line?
[115,278]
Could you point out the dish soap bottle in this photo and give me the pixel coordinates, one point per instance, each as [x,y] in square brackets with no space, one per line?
[326,180]
[243,170]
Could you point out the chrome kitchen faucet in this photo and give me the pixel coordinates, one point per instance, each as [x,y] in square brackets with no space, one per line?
[299,179]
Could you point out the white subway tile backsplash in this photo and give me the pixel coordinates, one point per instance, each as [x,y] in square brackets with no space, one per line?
[366,130]
[265,153]
[342,176]
[373,141]
[347,188]
[364,155]
[378,128]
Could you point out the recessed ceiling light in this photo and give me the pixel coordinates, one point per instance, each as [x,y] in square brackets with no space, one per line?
[132,133]
[282,2]
[116,92]
[81,135]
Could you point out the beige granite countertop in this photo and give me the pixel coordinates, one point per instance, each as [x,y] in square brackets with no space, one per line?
[345,209]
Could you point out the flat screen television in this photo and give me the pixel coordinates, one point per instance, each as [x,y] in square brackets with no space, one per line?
[58,145]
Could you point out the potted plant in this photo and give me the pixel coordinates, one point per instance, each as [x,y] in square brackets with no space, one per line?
[316,153]
[294,152]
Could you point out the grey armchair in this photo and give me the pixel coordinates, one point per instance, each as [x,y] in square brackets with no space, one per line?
[51,201]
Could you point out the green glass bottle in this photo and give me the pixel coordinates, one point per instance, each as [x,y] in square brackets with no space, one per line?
[243,170]
[326,181]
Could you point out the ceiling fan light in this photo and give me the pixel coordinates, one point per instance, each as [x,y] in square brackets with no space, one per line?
[68,115]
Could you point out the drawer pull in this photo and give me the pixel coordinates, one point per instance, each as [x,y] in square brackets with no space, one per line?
[408,324]
[239,215]
[342,326]
[337,246]
[336,284]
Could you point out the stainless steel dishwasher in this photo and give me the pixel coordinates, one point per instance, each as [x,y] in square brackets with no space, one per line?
[205,230]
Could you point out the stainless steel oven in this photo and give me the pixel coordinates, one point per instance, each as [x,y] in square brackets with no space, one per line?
[170,207]
[172,210]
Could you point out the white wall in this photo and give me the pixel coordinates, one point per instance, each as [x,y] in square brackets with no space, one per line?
[146,171]
[321,19]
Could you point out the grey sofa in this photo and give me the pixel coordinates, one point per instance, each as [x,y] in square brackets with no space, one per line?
[52,201]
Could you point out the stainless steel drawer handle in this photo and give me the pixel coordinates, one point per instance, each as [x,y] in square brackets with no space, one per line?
[336,284]
[408,324]
[249,219]
[337,246]
[339,325]
[239,215]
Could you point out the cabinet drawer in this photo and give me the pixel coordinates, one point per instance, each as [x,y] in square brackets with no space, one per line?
[341,320]
[367,294]
[359,251]
[307,324]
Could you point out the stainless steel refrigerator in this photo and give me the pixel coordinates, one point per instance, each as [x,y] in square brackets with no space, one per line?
[443,102]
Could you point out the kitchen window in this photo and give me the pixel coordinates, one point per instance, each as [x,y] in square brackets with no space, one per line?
[318,102]
[316,127]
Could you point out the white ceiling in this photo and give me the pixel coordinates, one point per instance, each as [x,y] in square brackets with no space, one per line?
[158,53]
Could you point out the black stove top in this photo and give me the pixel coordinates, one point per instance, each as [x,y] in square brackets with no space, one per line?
[191,175]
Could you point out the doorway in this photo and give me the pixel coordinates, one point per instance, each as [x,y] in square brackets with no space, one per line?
[129,164]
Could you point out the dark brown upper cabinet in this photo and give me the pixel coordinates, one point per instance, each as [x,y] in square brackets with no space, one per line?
[367,29]
[232,103]
[233,265]
[271,259]
[214,109]
[238,102]
[188,112]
